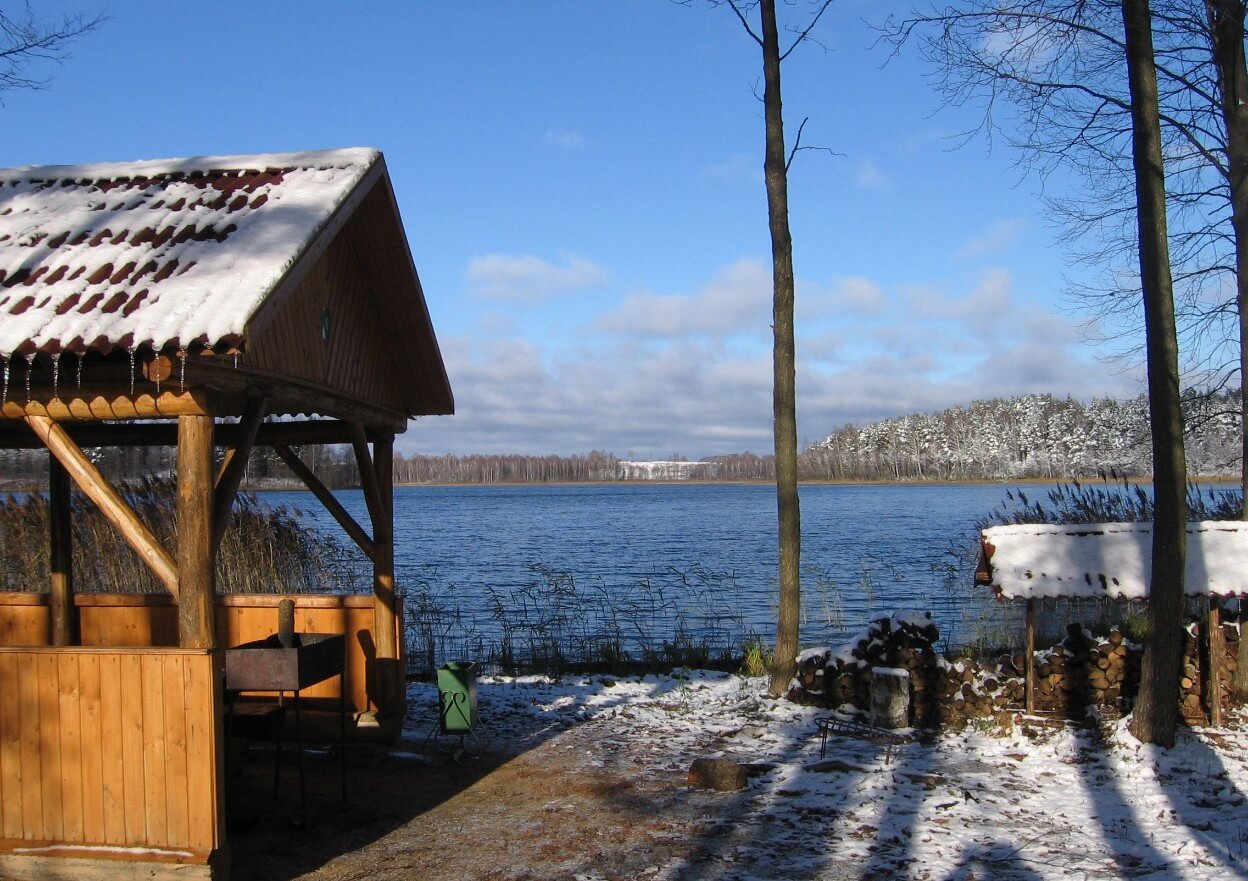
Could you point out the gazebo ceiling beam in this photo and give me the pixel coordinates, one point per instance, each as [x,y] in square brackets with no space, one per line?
[114,508]
[165,434]
[286,391]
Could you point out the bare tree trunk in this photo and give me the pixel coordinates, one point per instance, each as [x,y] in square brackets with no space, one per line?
[1226,29]
[1226,32]
[1156,711]
[783,361]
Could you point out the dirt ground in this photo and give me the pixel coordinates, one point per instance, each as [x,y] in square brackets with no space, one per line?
[566,808]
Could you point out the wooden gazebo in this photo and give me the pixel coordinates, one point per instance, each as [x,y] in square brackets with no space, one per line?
[181,303]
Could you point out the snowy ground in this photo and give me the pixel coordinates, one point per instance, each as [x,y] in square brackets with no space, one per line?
[1041,803]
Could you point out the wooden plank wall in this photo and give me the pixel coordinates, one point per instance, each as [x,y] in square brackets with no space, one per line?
[242,618]
[114,620]
[117,749]
[355,359]
[25,619]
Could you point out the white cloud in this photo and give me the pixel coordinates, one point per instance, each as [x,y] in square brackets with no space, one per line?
[858,295]
[870,177]
[996,237]
[673,374]
[564,139]
[528,279]
[988,306]
[736,299]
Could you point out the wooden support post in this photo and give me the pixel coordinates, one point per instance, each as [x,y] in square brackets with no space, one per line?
[332,505]
[114,508]
[1213,681]
[1029,660]
[197,594]
[61,556]
[234,468]
[377,479]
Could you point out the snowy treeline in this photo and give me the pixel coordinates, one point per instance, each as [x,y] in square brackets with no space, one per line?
[1027,436]
[505,468]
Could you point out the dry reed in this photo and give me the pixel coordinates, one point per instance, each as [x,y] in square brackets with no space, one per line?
[264,550]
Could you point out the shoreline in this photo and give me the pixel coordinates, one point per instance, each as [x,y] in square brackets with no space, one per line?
[1228,482]
[1027,481]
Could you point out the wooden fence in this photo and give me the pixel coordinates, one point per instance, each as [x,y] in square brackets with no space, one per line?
[109,753]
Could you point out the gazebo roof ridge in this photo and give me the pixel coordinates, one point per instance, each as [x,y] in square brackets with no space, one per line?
[189,165]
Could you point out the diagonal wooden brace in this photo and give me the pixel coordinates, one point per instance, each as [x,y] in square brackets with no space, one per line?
[332,505]
[114,508]
[234,468]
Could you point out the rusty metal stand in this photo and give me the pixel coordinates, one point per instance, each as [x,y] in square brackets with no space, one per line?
[869,733]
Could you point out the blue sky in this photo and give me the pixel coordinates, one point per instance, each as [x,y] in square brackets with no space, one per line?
[582,190]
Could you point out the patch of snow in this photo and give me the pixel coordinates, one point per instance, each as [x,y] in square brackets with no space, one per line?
[808,654]
[1041,804]
[103,849]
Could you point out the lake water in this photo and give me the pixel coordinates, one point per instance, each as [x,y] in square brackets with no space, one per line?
[649,561]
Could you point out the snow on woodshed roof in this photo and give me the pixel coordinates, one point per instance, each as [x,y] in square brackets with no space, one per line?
[159,253]
[1110,559]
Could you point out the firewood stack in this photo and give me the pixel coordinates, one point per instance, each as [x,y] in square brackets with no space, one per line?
[1191,686]
[1080,671]
[1230,638]
[1083,670]
[834,679]
[967,689]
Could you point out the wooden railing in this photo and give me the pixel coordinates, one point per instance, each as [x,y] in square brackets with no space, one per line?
[114,620]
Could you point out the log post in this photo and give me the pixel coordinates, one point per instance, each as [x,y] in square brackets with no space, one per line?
[1213,681]
[1239,682]
[61,556]
[1029,660]
[389,676]
[196,589]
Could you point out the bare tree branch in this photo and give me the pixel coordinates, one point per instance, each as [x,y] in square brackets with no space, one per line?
[805,32]
[25,40]
[797,146]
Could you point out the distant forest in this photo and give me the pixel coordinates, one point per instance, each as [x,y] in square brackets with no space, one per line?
[1031,436]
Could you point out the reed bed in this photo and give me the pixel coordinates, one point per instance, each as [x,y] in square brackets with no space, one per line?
[556,623]
[263,550]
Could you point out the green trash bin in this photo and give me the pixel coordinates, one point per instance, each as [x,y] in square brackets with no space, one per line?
[457,697]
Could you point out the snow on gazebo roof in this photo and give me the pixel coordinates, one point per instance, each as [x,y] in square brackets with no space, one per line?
[157,253]
[1110,560]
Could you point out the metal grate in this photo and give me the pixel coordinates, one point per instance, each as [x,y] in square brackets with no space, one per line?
[859,732]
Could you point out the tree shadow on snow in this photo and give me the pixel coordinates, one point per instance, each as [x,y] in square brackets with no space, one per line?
[1205,801]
